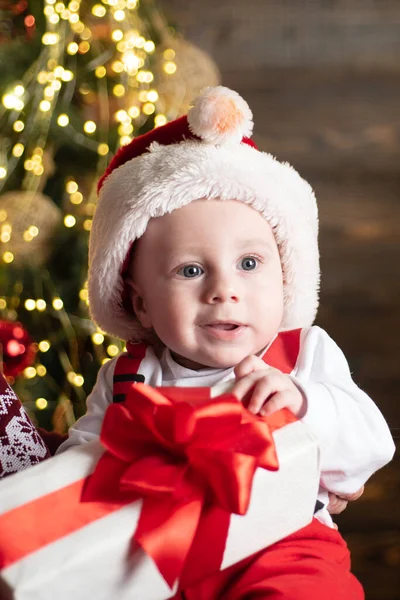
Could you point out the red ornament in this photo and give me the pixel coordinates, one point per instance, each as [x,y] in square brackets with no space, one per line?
[17,350]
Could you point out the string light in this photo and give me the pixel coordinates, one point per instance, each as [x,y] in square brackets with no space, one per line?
[63,120]
[57,304]
[134,111]
[160,120]
[103,149]
[30,304]
[98,338]
[152,96]
[69,221]
[98,10]
[29,372]
[72,48]
[112,350]
[44,346]
[18,126]
[44,106]
[169,54]
[19,90]
[67,76]
[83,47]
[89,127]
[49,39]
[100,72]
[117,35]
[119,15]
[8,257]
[119,90]
[76,198]
[117,66]
[125,129]
[148,108]
[71,187]
[41,403]
[41,305]
[75,379]
[170,67]
[33,230]
[125,140]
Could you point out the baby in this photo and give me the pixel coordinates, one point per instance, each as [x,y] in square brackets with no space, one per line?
[204,258]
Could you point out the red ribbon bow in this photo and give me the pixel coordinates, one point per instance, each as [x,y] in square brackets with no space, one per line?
[192,465]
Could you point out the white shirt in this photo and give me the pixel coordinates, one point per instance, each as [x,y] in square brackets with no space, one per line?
[353,436]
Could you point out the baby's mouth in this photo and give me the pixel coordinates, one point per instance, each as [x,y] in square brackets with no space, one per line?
[225,331]
[223,326]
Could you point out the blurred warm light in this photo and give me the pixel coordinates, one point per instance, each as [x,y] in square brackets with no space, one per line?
[30,304]
[112,350]
[89,127]
[29,372]
[98,338]
[57,303]
[44,346]
[41,403]
[69,220]
[63,120]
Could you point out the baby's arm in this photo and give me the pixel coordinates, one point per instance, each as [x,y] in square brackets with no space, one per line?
[88,427]
[354,438]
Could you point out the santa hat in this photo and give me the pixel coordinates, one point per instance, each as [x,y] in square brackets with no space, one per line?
[205,154]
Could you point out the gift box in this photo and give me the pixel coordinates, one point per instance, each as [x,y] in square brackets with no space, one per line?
[182,483]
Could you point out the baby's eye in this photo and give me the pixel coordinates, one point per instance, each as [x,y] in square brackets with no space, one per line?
[249,263]
[190,271]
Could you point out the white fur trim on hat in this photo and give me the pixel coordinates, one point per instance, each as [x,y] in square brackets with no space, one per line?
[168,177]
[219,116]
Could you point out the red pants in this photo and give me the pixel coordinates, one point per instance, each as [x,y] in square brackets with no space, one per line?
[311,564]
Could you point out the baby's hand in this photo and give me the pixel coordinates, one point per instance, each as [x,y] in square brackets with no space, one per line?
[337,503]
[265,389]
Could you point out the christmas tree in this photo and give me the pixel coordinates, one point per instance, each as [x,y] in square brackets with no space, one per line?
[78,81]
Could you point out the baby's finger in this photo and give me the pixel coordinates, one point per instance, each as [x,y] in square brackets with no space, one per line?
[277,401]
[249,365]
[336,504]
[243,386]
[354,496]
[263,389]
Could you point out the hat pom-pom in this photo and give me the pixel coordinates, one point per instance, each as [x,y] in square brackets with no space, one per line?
[220,116]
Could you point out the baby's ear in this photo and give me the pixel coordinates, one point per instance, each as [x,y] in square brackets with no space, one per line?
[138,302]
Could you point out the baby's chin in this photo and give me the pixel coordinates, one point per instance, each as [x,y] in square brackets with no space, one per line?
[222,360]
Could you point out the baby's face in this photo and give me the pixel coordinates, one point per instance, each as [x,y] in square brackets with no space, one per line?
[207,278]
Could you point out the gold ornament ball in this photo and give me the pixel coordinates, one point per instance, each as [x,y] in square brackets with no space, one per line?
[34,219]
[195,70]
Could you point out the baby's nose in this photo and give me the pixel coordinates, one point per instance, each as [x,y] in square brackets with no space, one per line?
[222,289]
